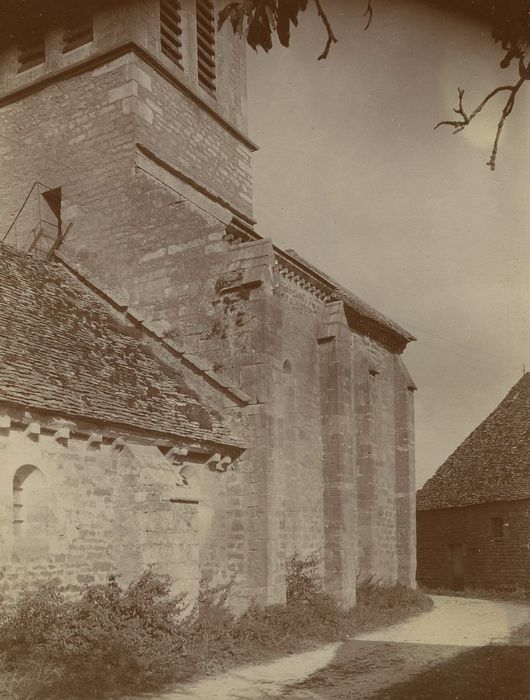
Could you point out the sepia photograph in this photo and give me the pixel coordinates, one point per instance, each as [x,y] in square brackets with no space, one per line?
[264,349]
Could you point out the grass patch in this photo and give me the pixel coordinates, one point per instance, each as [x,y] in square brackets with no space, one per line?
[380,604]
[113,641]
[507,591]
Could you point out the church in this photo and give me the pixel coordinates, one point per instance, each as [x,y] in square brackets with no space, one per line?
[175,390]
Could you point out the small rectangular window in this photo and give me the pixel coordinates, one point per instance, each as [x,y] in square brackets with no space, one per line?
[170,30]
[206,43]
[80,31]
[497,528]
[31,52]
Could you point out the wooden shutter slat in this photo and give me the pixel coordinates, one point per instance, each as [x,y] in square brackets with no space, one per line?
[171,21]
[170,35]
[170,31]
[206,61]
[205,24]
[31,54]
[207,27]
[172,54]
[204,45]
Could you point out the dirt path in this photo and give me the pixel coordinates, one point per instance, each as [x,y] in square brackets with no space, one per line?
[457,635]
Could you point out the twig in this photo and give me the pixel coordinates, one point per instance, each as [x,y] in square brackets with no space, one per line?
[331,37]
[369,11]
[459,124]
[505,113]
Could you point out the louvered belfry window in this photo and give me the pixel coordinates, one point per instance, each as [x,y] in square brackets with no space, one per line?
[170,30]
[78,33]
[31,52]
[206,43]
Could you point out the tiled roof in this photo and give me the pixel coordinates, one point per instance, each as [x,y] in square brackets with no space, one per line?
[492,464]
[357,305]
[63,350]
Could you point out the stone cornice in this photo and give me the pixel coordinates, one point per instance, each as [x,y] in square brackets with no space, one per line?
[308,278]
[20,416]
[201,189]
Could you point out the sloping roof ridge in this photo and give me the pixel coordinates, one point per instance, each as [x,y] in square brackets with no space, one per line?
[353,300]
[334,290]
[87,318]
[153,330]
[440,490]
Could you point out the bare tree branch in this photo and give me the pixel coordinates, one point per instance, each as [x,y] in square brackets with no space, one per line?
[370,13]
[505,113]
[261,20]
[460,124]
[331,37]
[465,119]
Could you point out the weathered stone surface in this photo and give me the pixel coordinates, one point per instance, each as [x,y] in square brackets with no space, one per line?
[157,202]
[76,516]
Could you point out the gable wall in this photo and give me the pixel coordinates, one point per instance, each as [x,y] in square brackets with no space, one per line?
[102,511]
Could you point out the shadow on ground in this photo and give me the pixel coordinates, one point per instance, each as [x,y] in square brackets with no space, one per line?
[395,671]
[485,673]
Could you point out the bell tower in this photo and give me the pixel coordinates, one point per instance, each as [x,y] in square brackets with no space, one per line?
[135,111]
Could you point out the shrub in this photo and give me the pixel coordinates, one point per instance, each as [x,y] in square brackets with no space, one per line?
[304,582]
[310,614]
[382,603]
[35,679]
[114,640]
[210,626]
[109,636]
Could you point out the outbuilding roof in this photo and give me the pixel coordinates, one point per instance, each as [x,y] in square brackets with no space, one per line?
[62,349]
[492,464]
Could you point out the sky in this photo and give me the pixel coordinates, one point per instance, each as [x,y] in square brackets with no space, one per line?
[351,174]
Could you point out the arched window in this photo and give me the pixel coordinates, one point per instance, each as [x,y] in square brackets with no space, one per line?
[31,507]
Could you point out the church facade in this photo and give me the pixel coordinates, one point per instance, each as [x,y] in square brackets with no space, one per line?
[128,161]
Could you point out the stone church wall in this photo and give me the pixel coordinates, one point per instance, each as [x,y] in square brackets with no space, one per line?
[74,511]
[490,540]
[296,410]
[121,23]
[78,130]
[152,181]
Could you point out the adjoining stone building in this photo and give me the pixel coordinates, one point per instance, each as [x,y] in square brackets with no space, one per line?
[473,520]
[124,131]
[109,461]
